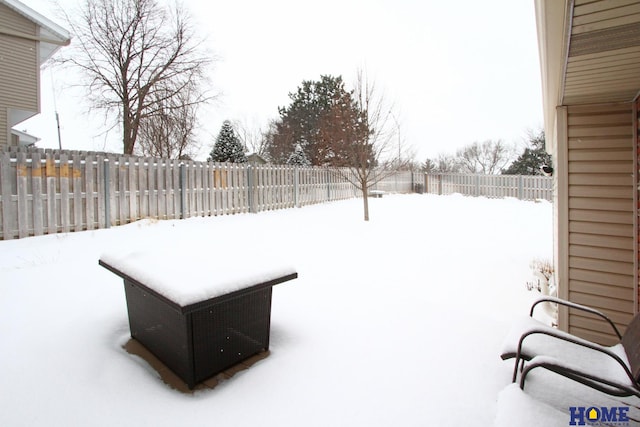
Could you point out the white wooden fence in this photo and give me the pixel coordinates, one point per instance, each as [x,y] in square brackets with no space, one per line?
[518,186]
[52,191]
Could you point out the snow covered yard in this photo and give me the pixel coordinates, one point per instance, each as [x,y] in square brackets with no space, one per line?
[397,321]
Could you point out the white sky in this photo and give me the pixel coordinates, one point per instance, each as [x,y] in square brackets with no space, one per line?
[457,72]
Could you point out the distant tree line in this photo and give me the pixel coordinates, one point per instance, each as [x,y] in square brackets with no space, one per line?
[494,157]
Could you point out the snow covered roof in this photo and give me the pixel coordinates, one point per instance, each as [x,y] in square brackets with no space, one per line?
[24,139]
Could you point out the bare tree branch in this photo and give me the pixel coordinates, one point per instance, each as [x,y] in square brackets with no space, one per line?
[372,147]
[137,56]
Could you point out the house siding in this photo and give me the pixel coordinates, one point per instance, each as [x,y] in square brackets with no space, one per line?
[602,237]
[18,66]
[5,134]
[636,129]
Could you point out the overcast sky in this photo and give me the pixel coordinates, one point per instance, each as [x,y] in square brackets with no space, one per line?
[457,71]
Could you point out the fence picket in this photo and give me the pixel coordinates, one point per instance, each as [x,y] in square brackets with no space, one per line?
[65,213]
[76,182]
[36,189]
[50,183]
[143,196]
[122,191]
[175,179]
[89,190]
[133,189]
[101,198]
[112,208]
[22,173]
[5,194]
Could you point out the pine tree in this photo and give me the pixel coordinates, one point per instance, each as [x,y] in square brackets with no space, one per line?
[298,157]
[228,147]
[323,118]
[532,159]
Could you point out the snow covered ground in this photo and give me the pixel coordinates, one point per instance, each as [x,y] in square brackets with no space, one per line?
[397,321]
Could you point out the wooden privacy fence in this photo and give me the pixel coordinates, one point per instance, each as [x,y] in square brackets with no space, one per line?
[519,186]
[52,191]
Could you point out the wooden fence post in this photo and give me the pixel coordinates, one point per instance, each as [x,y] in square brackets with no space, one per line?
[76,180]
[21,176]
[250,185]
[107,196]
[183,197]
[65,217]
[520,187]
[52,212]
[296,184]
[5,192]
[36,189]
[327,177]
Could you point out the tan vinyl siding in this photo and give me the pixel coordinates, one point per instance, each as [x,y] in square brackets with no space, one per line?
[601,15]
[636,129]
[18,63]
[604,52]
[4,128]
[601,251]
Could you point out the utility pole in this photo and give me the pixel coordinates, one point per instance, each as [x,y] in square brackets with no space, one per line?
[55,108]
[58,125]
[393,116]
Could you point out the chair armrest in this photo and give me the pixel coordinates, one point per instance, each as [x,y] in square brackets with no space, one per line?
[580,307]
[574,340]
[606,385]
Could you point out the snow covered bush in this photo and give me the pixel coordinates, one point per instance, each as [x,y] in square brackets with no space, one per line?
[543,283]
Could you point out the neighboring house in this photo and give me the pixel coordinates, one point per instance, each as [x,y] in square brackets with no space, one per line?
[590,64]
[27,40]
[256,159]
[22,139]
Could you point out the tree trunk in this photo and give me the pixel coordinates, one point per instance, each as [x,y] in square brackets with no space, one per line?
[127,141]
[365,200]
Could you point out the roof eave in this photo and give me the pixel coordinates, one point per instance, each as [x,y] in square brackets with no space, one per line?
[56,32]
[553,21]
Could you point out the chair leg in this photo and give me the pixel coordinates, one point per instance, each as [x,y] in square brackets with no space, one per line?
[518,362]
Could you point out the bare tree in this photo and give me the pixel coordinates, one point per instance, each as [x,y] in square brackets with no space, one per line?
[446,163]
[372,150]
[136,55]
[489,157]
[252,137]
[170,131]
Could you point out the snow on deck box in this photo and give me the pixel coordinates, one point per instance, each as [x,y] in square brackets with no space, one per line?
[196,323]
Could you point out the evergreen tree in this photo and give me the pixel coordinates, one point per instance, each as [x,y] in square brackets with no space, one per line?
[298,158]
[228,147]
[323,118]
[429,166]
[532,159]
